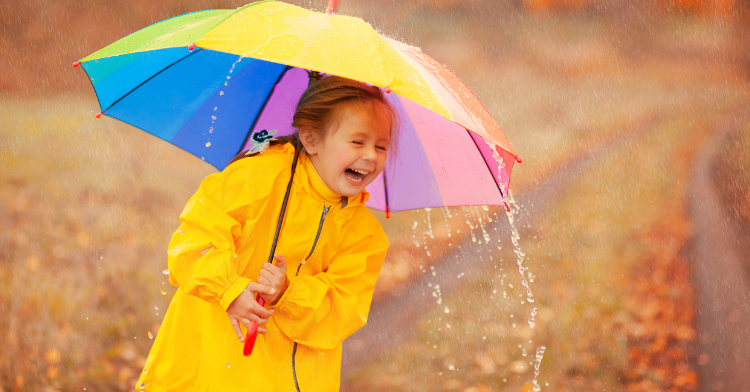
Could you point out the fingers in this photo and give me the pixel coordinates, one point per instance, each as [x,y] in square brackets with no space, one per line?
[261,311]
[237,330]
[258,320]
[259,288]
[264,281]
[269,275]
[262,331]
[280,262]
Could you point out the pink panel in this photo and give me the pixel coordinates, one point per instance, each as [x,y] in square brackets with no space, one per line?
[460,170]
[502,176]
[377,194]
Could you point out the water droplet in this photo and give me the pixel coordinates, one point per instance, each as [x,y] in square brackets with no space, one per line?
[537,362]
[141,386]
[532,322]
[165,272]
[208,144]
[156,308]
[228,365]
[446,310]
[213,117]
[221,92]
[163,292]
[215,109]
[150,335]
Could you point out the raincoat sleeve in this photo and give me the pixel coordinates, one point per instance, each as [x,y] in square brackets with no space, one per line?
[201,253]
[321,311]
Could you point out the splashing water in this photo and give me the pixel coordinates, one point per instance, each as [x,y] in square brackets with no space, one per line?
[537,362]
[514,238]
[485,235]
[532,322]
[429,223]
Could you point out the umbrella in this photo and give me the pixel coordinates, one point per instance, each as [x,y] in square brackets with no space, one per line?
[215,82]
[219,82]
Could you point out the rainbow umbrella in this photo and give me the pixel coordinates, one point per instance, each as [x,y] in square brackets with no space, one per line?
[218,82]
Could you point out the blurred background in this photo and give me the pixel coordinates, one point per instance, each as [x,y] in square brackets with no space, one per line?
[633,203]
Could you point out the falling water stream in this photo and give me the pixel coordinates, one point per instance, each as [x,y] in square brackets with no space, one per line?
[515,237]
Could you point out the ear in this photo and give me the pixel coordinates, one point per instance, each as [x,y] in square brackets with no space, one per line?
[309,139]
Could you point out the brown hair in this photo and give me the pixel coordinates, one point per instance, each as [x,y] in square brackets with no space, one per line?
[324,96]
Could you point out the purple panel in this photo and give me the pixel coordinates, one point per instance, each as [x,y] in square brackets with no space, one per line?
[278,112]
[411,181]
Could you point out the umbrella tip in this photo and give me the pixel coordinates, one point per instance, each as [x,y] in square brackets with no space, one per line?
[387,89]
[76,64]
[387,213]
[191,47]
[518,159]
[98,115]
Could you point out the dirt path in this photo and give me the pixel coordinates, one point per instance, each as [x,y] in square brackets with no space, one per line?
[722,289]
[391,320]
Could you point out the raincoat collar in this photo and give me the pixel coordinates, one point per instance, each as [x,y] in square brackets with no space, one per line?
[310,180]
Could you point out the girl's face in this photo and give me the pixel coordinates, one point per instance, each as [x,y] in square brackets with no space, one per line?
[354,149]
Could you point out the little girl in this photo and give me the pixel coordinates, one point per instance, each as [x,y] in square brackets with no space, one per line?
[328,256]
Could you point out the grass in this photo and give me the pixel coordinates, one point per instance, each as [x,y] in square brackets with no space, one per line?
[85,218]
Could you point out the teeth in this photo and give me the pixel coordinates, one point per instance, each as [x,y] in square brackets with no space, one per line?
[361,172]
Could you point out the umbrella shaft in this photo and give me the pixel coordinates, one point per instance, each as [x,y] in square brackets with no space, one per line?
[332,7]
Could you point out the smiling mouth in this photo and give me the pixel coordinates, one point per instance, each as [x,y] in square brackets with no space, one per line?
[355,176]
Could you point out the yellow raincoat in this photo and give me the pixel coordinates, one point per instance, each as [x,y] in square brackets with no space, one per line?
[234,215]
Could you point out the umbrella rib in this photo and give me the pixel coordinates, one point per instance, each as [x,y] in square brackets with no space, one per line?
[263,107]
[485,163]
[385,190]
[152,76]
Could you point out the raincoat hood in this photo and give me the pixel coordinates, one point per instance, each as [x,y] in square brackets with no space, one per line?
[334,249]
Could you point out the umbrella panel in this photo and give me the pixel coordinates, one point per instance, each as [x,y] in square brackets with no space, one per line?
[213,101]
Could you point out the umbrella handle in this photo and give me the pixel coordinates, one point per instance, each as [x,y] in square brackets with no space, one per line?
[332,7]
[252,331]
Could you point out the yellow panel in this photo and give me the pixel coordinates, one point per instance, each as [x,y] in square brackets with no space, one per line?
[333,44]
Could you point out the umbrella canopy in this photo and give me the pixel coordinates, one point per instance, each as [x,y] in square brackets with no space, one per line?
[207,81]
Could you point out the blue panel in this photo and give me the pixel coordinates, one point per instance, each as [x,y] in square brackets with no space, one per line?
[115,76]
[164,104]
[226,117]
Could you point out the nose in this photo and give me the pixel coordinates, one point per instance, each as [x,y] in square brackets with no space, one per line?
[369,154]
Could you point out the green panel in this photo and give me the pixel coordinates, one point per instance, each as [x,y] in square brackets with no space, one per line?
[179,31]
[98,73]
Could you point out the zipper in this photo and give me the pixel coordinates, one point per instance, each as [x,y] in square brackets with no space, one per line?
[317,236]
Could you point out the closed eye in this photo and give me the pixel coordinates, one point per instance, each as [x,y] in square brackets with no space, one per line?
[357,142]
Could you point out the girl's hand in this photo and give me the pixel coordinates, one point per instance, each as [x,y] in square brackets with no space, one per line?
[273,276]
[245,309]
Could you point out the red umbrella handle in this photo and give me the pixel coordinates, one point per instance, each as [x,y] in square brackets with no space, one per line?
[252,331]
[332,7]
